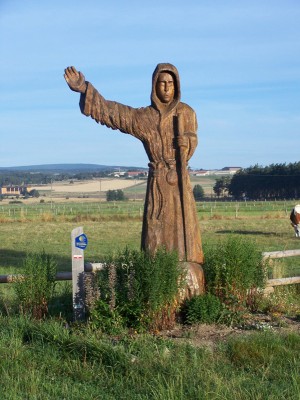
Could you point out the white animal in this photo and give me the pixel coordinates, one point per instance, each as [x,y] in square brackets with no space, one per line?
[295,219]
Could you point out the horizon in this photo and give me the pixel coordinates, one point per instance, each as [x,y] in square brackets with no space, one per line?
[43,166]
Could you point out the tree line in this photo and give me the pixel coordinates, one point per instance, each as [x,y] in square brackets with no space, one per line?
[37,178]
[276,181]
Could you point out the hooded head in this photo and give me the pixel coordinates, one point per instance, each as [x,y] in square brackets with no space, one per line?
[157,102]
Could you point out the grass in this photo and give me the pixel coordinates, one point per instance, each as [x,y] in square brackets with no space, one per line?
[50,361]
[112,226]
[18,238]
[91,207]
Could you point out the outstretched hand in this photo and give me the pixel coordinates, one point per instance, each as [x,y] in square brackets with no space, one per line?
[75,79]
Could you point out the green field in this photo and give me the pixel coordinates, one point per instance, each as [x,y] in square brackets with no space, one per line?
[54,360]
[112,226]
[41,361]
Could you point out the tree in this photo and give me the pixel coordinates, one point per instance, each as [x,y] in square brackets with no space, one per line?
[276,181]
[198,192]
[34,193]
[221,186]
[115,195]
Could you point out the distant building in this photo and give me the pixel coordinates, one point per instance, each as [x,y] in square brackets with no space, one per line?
[137,174]
[13,190]
[223,171]
[231,170]
[201,172]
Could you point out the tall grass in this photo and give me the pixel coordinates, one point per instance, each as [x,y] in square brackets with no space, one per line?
[50,361]
[35,288]
[234,267]
[54,359]
[139,290]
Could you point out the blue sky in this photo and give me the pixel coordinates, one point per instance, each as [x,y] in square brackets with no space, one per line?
[239,64]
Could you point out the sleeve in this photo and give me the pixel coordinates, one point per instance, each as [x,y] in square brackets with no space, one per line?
[192,136]
[110,113]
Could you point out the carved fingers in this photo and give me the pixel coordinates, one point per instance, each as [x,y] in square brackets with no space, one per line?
[182,141]
[75,80]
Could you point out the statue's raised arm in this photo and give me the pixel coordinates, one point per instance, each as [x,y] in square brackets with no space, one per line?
[75,79]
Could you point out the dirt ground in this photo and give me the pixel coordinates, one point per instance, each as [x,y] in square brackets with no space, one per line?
[209,336]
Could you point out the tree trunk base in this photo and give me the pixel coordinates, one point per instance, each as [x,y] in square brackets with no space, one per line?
[194,281]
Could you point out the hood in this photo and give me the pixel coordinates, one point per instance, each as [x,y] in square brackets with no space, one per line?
[155,102]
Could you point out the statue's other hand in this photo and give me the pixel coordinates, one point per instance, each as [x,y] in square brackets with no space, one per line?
[75,80]
[182,141]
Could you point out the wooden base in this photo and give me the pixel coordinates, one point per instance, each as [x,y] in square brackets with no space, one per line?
[194,280]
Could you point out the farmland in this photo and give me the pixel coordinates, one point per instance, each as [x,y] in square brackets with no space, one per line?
[96,188]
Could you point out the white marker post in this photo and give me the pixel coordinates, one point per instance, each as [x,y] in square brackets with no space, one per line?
[79,243]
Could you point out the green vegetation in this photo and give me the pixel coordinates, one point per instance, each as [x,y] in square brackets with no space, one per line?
[35,288]
[205,309]
[51,361]
[275,181]
[221,187]
[233,268]
[115,195]
[138,291]
[198,192]
[70,211]
[113,226]
[55,358]
[234,276]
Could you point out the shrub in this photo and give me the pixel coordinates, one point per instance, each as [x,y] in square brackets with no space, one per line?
[233,271]
[35,288]
[34,193]
[141,289]
[115,195]
[205,308]
[198,192]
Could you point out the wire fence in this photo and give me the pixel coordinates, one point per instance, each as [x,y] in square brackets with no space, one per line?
[134,209]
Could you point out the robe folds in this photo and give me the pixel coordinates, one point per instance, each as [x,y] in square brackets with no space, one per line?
[170,217]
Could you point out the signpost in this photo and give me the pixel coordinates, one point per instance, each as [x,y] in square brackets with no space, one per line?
[79,243]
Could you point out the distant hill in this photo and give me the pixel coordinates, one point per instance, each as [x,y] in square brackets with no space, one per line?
[73,168]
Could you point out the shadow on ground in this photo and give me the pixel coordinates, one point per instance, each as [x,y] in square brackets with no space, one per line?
[13,259]
[241,232]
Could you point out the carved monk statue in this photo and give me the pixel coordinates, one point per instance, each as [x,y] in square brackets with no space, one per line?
[168,130]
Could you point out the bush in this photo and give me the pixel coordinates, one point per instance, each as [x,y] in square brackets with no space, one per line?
[36,287]
[198,192]
[205,309]
[234,270]
[34,193]
[115,195]
[139,288]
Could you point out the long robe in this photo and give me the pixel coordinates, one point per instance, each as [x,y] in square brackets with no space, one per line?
[170,217]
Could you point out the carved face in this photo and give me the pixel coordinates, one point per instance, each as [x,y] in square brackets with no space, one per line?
[165,87]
